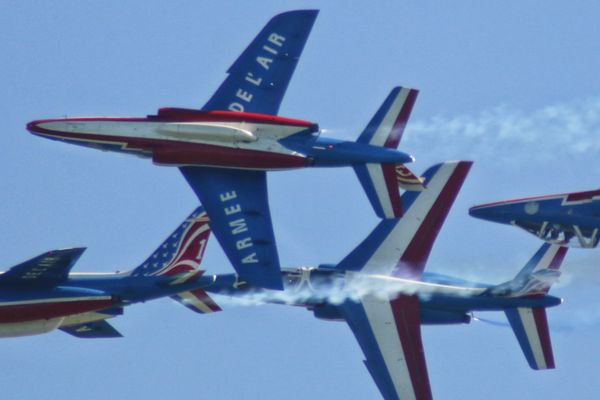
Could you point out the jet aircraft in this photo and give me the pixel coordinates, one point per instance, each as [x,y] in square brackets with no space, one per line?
[40,295]
[225,148]
[381,291]
[568,219]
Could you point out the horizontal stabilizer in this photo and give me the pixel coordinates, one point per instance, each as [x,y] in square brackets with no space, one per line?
[92,330]
[44,271]
[530,325]
[380,183]
[198,301]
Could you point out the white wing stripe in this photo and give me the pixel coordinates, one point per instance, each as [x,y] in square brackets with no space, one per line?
[383,324]
[533,337]
[386,257]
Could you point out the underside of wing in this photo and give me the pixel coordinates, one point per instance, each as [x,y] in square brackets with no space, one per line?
[389,334]
[44,271]
[258,79]
[92,330]
[238,209]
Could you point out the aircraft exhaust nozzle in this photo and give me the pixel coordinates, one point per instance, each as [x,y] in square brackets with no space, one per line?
[196,130]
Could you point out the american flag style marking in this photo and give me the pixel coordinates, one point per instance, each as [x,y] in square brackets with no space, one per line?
[182,251]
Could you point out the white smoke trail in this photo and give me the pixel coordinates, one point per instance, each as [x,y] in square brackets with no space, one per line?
[570,129]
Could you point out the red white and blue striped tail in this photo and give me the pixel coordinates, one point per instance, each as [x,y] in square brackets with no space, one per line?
[401,246]
[531,328]
[387,125]
[381,181]
[538,275]
[197,300]
[530,325]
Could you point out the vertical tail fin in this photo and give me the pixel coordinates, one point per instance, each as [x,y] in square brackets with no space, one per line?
[381,181]
[537,276]
[387,125]
[530,325]
[180,254]
[182,251]
[401,246]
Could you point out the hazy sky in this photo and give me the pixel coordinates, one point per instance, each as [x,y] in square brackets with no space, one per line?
[511,85]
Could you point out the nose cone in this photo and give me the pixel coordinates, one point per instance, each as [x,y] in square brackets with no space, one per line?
[34,127]
[495,212]
[52,128]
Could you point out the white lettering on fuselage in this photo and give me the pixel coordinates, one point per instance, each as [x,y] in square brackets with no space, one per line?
[271,49]
[238,226]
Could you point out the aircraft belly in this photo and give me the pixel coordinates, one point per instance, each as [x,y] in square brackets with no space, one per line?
[29,328]
[20,311]
[179,145]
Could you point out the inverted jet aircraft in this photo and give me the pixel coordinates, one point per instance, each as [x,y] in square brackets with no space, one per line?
[40,295]
[568,219]
[225,148]
[381,291]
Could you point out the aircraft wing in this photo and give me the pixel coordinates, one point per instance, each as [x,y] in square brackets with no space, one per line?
[238,209]
[92,330]
[44,271]
[401,246]
[389,334]
[260,76]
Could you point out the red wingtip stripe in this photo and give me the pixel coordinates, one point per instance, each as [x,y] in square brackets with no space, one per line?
[541,323]
[394,138]
[558,258]
[412,262]
[408,323]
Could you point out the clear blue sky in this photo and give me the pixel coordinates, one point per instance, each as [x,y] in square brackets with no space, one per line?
[511,85]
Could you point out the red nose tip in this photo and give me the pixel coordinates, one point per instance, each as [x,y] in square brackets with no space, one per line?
[32,126]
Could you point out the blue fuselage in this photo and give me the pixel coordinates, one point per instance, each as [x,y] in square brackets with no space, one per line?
[443,300]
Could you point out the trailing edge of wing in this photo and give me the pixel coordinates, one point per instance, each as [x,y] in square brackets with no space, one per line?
[238,210]
[258,79]
[44,271]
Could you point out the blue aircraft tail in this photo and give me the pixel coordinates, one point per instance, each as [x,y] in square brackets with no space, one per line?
[530,324]
[381,181]
[180,256]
